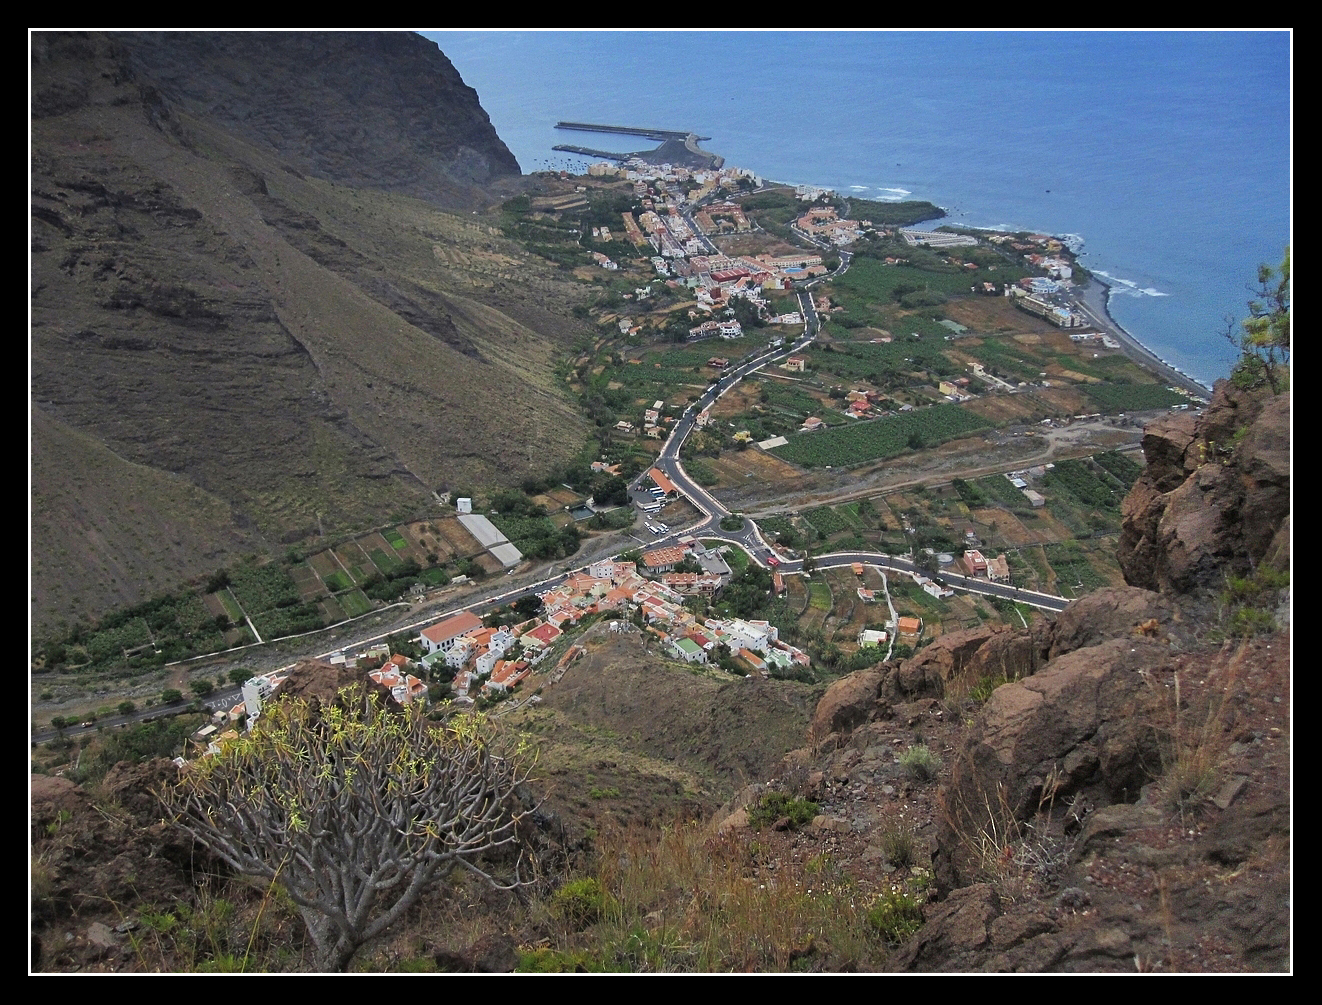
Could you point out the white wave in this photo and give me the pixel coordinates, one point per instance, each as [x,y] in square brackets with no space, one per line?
[897,191]
[1128,288]
[1072,241]
[859,188]
[1115,279]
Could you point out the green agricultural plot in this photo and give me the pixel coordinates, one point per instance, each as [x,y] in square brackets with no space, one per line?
[1073,568]
[881,438]
[999,489]
[434,576]
[395,539]
[827,521]
[292,620]
[887,364]
[1123,468]
[231,605]
[263,587]
[331,610]
[338,582]
[819,596]
[354,603]
[1079,481]
[1133,397]
[386,563]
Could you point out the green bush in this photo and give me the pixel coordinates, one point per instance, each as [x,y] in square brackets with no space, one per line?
[580,902]
[921,764]
[774,805]
[896,916]
[170,695]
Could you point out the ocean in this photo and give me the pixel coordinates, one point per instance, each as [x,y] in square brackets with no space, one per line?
[1164,156]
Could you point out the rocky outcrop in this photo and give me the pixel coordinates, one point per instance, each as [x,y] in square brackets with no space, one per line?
[848,702]
[319,681]
[1084,726]
[1214,496]
[927,671]
[1118,612]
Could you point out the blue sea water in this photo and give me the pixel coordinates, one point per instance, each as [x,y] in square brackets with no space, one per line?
[1166,154]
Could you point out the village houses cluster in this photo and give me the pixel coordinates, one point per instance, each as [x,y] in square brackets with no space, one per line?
[683,256]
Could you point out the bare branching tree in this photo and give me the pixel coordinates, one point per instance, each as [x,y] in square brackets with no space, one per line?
[354,809]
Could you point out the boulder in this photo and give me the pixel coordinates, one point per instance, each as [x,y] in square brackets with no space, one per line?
[953,932]
[1170,447]
[1010,653]
[54,801]
[1086,718]
[848,702]
[1111,613]
[134,786]
[1085,723]
[927,671]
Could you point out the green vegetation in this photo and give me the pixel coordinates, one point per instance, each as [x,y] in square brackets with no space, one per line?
[701,472]
[580,902]
[826,521]
[1249,602]
[999,489]
[920,762]
[310,773]
[1073,569]
[969,493]
[894,214]
[1133,397]
[133,639]
[897,844]
[781,529]
[530,529]
[354,603]
[775,806]
[1123,468]
[1264,339]
[263,587]
[819,596]
[1078,480]
[896,916]
[881,438]
[164,737]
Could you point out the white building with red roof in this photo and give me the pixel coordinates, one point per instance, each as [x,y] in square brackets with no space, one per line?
[444,634]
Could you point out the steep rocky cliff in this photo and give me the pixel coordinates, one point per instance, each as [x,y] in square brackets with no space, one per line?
[1215,497]
[1121,800]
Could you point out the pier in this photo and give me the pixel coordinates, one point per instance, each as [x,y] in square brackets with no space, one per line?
[676,147]
[651,134]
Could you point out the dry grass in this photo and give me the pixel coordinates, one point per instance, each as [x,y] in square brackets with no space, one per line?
[1021,859]
[1193,723]
[682,900]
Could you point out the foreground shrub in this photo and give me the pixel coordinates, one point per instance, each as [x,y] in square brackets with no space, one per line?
[896,916]
[775,805]
[580,902]
[354,808]
[921,764]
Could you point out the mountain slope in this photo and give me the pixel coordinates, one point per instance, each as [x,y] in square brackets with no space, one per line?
[305,353]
